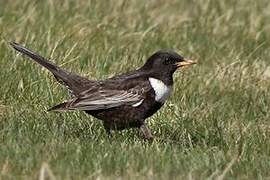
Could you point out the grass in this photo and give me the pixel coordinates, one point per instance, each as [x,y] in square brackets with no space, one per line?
[215,126]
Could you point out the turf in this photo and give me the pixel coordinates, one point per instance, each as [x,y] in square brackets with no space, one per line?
[215,126]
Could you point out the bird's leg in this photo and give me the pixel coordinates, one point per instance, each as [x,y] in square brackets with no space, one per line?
[146,132]
[107,129]
[109,132]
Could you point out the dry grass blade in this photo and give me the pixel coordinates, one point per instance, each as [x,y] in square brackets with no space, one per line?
[46,173]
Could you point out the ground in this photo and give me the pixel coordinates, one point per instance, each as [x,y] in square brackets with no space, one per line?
[216,125]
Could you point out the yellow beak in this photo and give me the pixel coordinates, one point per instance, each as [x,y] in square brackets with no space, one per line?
[186,62]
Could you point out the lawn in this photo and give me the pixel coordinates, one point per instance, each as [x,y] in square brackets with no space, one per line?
[216,124]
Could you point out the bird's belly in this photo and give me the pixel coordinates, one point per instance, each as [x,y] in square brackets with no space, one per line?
[124,117]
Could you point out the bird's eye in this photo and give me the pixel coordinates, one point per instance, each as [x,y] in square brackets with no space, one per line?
[167,61]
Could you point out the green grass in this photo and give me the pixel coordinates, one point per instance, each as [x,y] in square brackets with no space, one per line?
[215,126]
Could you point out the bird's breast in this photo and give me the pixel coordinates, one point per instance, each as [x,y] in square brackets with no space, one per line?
[162,91]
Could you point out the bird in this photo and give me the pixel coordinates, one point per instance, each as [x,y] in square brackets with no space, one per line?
[123,101]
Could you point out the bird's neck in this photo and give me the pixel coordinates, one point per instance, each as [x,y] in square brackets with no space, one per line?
[166,78]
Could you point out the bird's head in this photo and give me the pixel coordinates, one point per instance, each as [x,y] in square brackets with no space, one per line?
[166,62]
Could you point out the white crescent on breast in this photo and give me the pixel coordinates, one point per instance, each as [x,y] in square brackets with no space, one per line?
[162,91]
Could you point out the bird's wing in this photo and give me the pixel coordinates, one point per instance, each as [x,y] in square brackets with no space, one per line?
[102,98]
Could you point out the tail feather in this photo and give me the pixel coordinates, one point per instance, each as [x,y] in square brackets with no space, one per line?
[59,107]
[74,83]
[39,59]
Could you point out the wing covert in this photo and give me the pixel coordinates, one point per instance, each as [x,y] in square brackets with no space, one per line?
[101,98]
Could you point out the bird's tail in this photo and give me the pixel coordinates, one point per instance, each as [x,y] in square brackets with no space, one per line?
[57,71]
[59,107]
[73,82]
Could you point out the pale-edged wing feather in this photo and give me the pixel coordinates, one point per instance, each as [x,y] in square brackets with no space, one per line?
[94,99]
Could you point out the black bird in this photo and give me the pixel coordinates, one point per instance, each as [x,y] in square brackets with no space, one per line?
[123,101]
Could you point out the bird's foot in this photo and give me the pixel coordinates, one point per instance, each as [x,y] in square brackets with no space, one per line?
[146,132]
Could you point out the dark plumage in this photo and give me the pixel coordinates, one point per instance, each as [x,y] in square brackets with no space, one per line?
[121,102]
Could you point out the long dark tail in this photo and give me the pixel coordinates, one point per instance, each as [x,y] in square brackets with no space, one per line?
[75,83]
[59,107]
[57,71]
